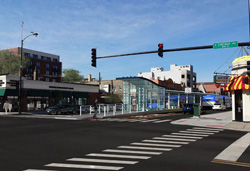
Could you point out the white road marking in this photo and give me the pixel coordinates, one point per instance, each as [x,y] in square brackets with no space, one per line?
[235,150]
[179,136]
[80,166]
[190,134]
[203,130]
[174,139]
[102,161]
[213,129]
[145,148]
[160,121]
[167,142]
[117,156]
[132,152]
[157,145]
[150,120]
[194,132]
[38,170]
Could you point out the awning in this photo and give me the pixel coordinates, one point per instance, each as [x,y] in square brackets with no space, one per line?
[38,93]
[81,95]
[8,92]
[236,84]
[61,94]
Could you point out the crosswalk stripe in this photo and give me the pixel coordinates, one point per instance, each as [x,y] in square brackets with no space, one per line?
[117,156]
[194,132]
[145,148]
[37,170]
[130,151]
[157,145]
[151,120]
[80,166]
[177,139]
[190,134]
[102,161]
[160,121]
[179,136]
[215,129]
[167,142]
[203,130]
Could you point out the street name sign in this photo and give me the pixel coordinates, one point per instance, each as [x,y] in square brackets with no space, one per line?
[222,45]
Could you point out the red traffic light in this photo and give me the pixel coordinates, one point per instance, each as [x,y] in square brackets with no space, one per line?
[160,45]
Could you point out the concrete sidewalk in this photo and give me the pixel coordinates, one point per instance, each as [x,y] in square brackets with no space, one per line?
[217,120]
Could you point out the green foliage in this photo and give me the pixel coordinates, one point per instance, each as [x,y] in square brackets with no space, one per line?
[72,76]
[112,99]
[10,63]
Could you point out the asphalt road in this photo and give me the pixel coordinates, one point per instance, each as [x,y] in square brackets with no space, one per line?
[43,144]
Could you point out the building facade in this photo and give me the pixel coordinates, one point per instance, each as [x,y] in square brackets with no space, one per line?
[38,95]
[239,86]
[179,74]
[42,66]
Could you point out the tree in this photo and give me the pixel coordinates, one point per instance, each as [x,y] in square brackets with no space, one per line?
[113,98]
[10,62]
[72,75]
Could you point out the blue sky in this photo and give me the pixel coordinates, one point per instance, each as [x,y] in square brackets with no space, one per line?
[70,28]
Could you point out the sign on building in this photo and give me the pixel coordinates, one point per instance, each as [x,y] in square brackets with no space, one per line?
[221,79]
[188,90]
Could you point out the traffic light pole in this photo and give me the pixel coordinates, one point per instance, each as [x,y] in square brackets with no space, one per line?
[170,50]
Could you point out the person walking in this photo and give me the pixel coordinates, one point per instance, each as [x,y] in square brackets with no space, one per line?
[95,108]
[6,107]
[10,107]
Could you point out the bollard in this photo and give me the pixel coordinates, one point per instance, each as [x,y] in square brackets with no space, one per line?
[90,110]
[104,111]
[113,110]
[122,109]
[80,110]
[107,108]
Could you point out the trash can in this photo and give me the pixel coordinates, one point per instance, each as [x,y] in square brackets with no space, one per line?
[197,109]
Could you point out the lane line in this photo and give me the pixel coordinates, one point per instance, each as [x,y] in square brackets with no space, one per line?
[179,136]
[102,161]
[167,142]
[231,163]
[132,152]
[156,145]
[145,148]
[118,156]
[190,134]
[37,170]
[80,166]
[235,150]
[194,132]
[177,139]
[150,120]
[167,120]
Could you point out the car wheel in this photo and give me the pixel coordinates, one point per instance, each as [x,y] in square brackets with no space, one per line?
[59,112]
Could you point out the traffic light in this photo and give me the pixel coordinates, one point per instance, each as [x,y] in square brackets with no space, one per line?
[160,49]
[17,85]
[93,53]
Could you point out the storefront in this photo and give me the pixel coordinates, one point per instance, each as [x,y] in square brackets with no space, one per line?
[240,98]
[38,95]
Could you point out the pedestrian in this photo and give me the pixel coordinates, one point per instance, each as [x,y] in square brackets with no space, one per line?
[6,107]
[10,107]
[95,108]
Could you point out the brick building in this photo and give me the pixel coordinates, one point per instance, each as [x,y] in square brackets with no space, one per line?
[42,66]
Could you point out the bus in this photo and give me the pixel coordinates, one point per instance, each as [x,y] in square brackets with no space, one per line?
[210,100]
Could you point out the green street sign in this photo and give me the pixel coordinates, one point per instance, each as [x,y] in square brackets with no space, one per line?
[222,45]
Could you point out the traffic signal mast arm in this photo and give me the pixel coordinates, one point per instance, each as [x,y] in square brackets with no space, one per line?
[171,50]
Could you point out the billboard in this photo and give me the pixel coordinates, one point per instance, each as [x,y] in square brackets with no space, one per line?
[221,79]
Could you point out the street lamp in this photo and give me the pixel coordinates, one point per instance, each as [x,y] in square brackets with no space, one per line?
[21,69]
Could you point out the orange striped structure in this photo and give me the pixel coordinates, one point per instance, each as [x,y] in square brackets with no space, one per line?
[236,84]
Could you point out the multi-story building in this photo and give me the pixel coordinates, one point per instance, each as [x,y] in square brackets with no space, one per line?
[179,74]
[42,66]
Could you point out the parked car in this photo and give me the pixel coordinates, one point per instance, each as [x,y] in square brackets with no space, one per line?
[188,108]
[219,106]
[61,108]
